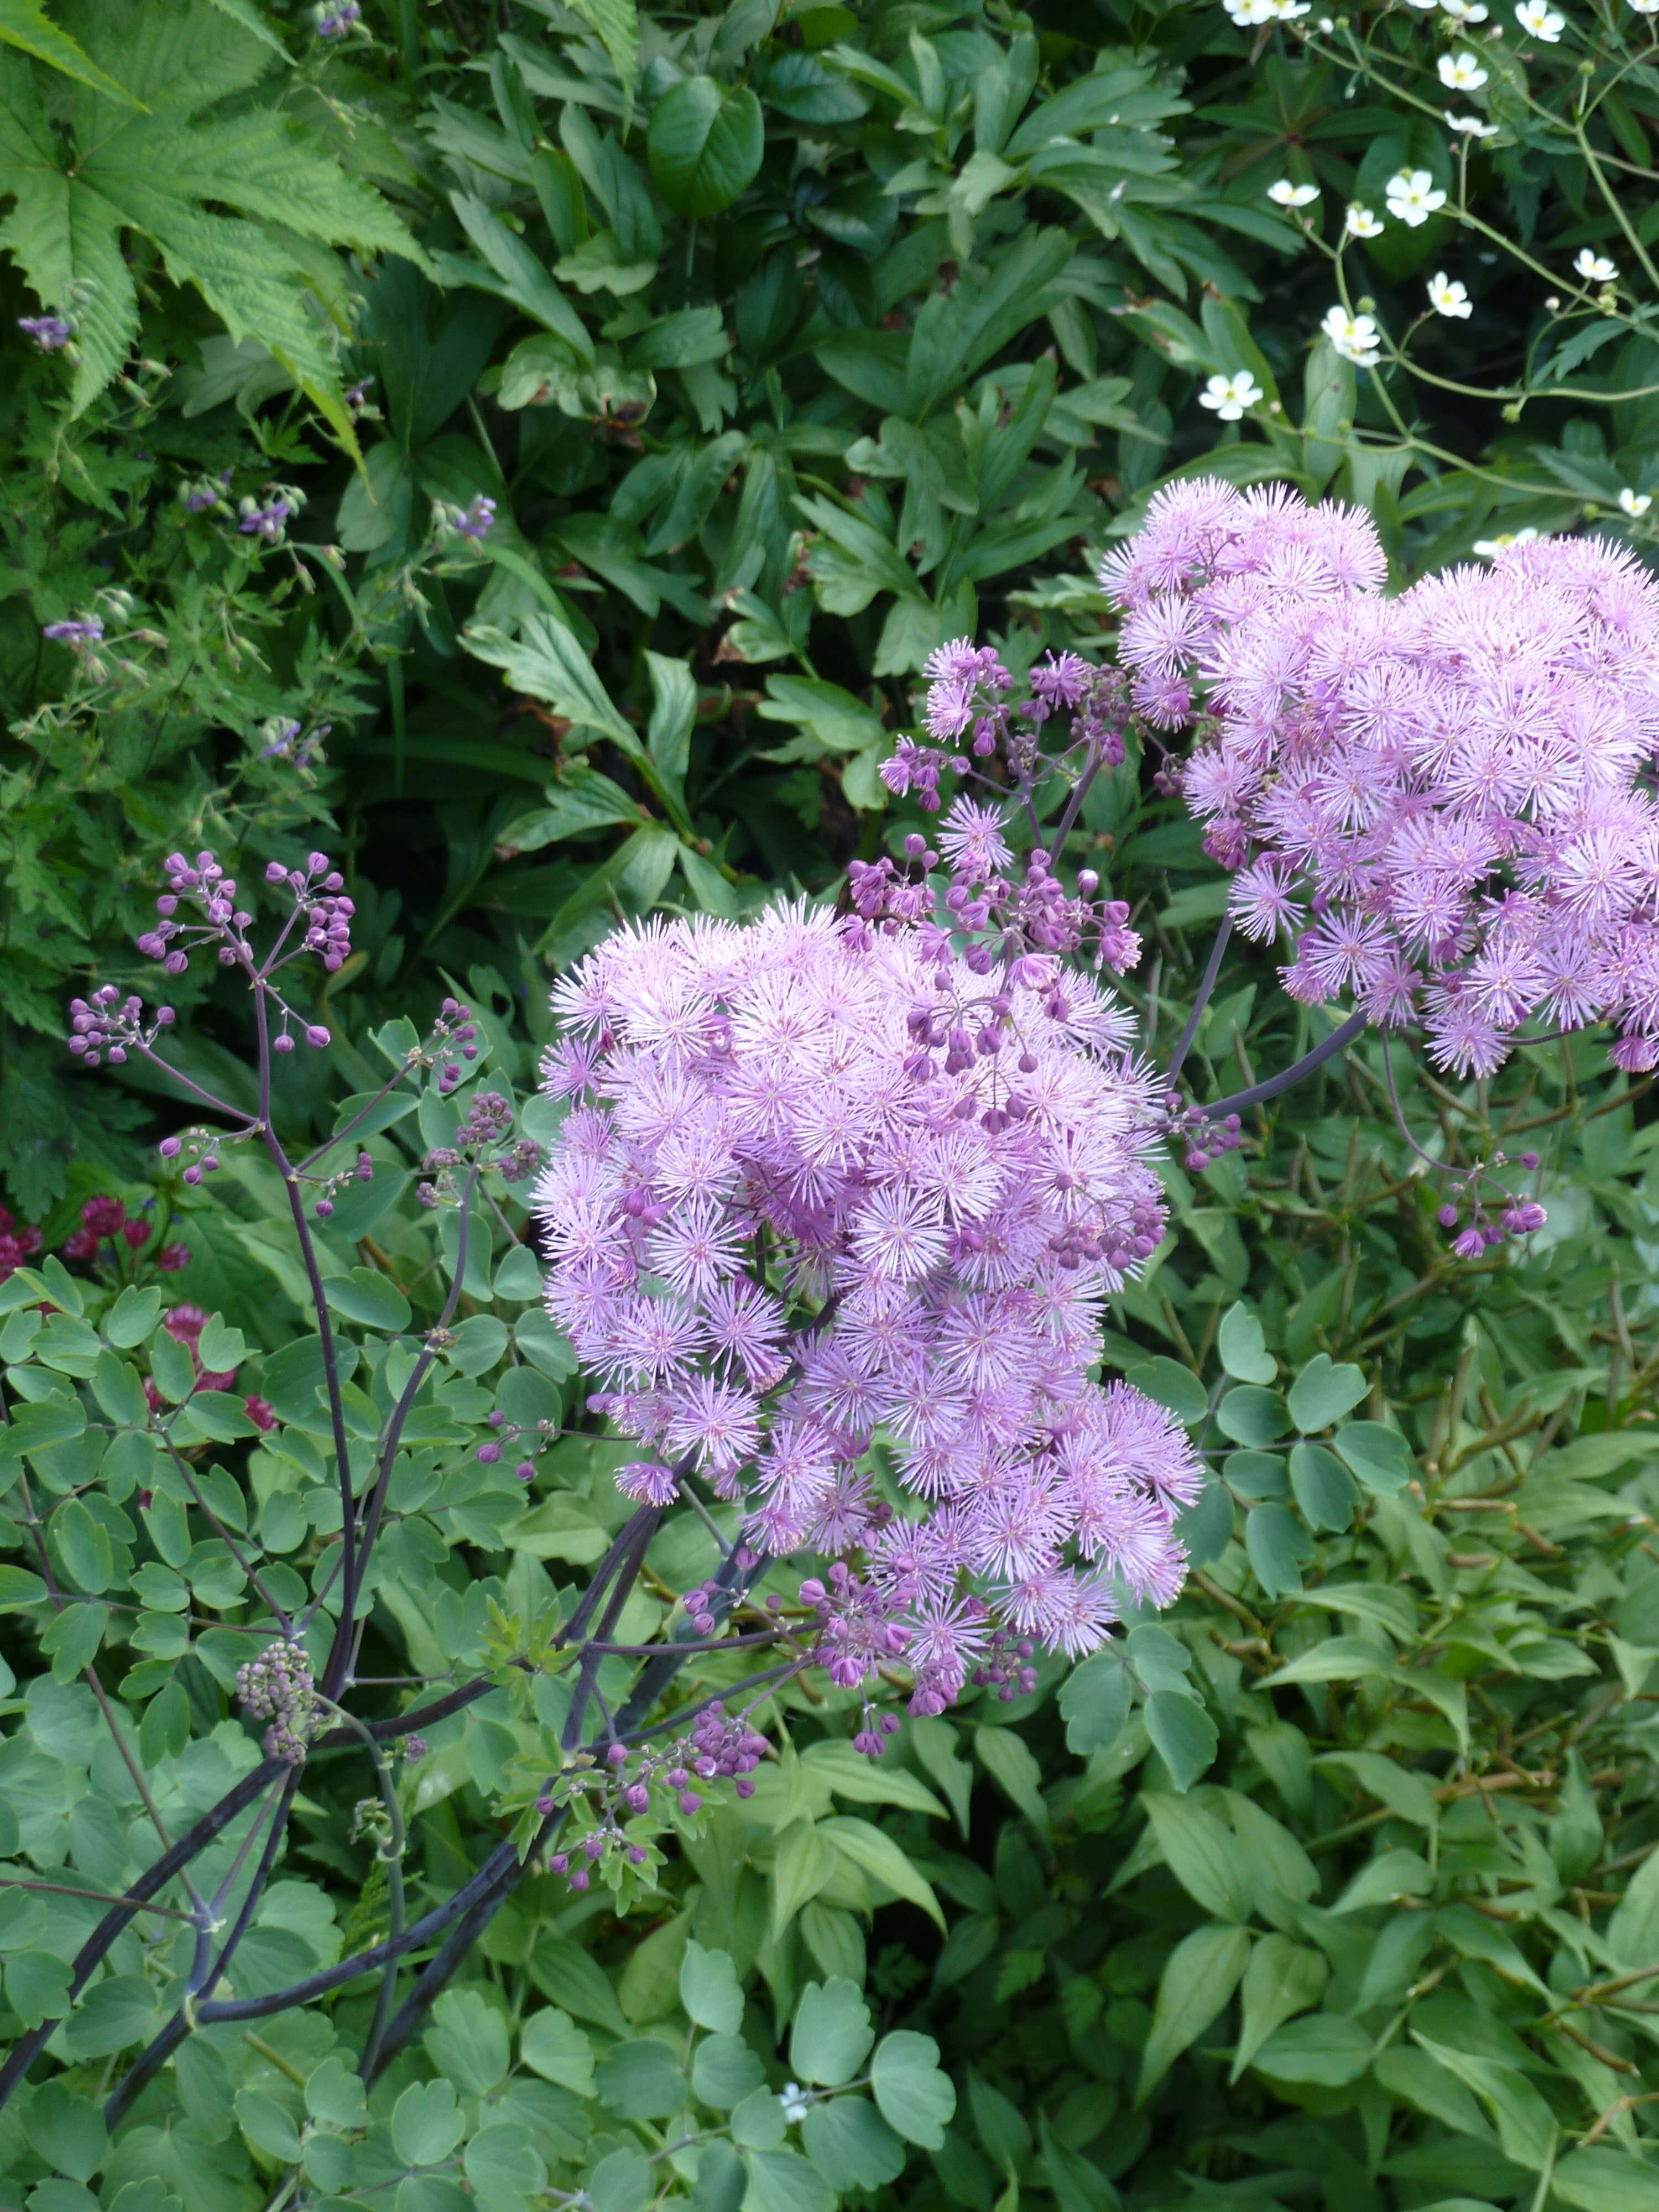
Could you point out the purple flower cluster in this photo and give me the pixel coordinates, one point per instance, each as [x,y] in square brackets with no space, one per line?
[966,704]
[278,1686]
[475,521]
[87,630]
[268,518]
[1442,798]
[1496,1211]
[49,332]
[718,1746]
[819,1179]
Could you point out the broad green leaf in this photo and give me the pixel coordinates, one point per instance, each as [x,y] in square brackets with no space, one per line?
[876,1854]
[1199,1979]
[916,2098]
[851,2145]
[1183,1734]
[25,24]
[1012,1764]
[1323,1392]
[1318,2048]
[705,145]
[1526,2125]
[1094,1703]
[468,2042]
[868,1781]
[1282,1979]
[1201,1853]
[552,2046]
[1378,1455]
[1243,1347]
[640,2080]
[426,2122]
[832,2034]
[710,1990]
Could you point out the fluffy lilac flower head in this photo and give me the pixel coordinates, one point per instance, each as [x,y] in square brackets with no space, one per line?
[1443,799]
[821,1179]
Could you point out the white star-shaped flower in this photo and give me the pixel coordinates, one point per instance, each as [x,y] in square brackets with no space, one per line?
[1461,11]
[1539,21]
[1447,297]
[1230,395]
[1635,502]
[1471,126]
[1412,198]
[1595,268]
[1645,7]
[1354,337]
[797,2103]
[1361,222]
[1461,72]
[1285,194]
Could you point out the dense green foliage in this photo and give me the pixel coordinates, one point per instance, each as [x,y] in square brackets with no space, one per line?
[786,348]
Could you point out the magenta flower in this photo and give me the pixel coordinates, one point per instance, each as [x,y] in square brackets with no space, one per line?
[1437,798]
[822,1179]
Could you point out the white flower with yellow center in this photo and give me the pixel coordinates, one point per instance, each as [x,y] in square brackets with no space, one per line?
[1539,21]
[1489,548]
[1285,194]
[1230,395]
[1447,297]
[1354,337]
[1470,126]
[1361,222]
[1595,268]
[1461,72]
[1412,198]
[1635,502]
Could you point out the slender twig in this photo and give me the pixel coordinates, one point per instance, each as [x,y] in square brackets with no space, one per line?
[1205,986]
[1336,1043]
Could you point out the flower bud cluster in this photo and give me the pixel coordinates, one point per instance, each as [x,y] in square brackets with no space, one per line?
[202,884]
[486,1133]
[506,1436]
[107,1026]
[718,1746]
[320,897]
[1204,1138]
[198,1148]
[278,1686]
[1494,1214]
[361,1170]
[859,1624]
[1006,1667]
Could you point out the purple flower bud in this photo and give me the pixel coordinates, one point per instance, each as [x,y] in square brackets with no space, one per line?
[316,1035]
[168,1148]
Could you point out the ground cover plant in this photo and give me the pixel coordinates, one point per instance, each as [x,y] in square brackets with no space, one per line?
[829,1324]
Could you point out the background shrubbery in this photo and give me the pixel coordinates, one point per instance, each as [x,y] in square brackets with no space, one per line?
[784,348]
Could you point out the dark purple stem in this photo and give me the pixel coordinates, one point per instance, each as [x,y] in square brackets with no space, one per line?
[1333,1047]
